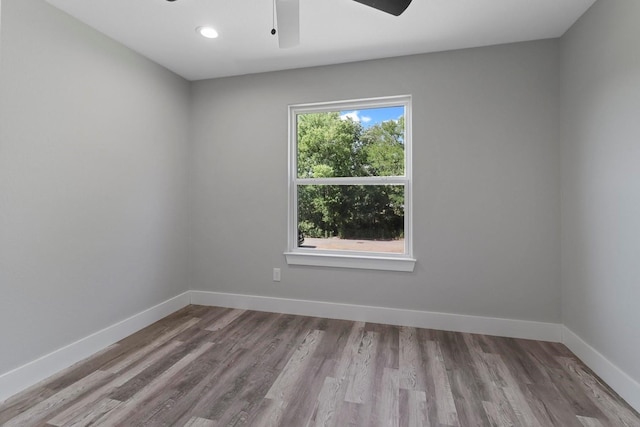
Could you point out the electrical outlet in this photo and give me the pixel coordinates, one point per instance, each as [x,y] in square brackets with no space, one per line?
[276,274]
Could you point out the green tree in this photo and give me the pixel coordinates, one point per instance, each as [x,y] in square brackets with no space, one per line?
[383,148]
[326,146]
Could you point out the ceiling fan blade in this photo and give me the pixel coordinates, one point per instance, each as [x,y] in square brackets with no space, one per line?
[288,15]
[394,7]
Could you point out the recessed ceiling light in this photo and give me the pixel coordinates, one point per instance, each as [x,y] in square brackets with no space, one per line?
[207,32]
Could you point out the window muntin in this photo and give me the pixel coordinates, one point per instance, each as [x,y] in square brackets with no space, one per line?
[350,188]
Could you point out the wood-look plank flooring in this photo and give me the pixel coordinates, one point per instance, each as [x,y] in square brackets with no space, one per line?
[209,366]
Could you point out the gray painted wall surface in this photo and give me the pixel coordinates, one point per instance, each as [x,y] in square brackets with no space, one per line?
[600,181]
[93,175]
[486,182]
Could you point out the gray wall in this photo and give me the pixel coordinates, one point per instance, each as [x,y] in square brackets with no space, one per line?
[93,176]
[486,192]
[601,181]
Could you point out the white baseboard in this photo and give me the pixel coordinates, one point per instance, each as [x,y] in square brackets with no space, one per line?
[391,316]
[616,378]
[19,379]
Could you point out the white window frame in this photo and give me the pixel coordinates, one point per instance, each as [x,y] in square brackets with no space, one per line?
[350,259]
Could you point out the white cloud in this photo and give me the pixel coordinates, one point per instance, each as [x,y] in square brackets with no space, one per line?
[355,116]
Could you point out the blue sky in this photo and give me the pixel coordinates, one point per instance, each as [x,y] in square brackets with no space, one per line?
[371,116]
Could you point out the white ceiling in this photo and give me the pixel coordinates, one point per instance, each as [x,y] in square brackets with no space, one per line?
[331,31]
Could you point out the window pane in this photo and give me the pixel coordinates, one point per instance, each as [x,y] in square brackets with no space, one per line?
[366,218]
[356,143]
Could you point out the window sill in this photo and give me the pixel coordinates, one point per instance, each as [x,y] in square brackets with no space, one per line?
[351,261]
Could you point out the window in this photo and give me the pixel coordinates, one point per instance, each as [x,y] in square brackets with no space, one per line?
[350,184]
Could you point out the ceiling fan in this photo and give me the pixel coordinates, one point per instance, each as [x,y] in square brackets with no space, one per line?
[288,17]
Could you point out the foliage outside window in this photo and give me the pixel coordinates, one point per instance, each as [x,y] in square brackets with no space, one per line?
[350,188]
